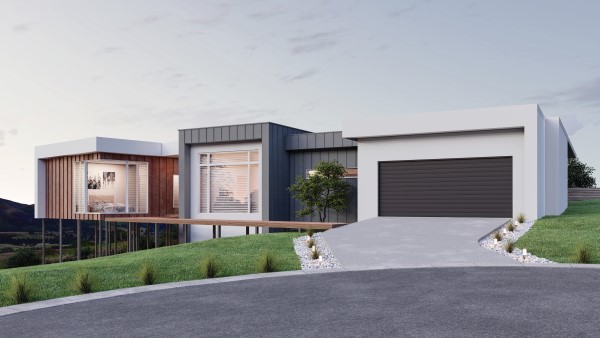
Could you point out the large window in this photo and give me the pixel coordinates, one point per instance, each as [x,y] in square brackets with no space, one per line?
[229,182]
[110,187]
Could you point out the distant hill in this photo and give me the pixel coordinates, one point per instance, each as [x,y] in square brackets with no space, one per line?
[17,217]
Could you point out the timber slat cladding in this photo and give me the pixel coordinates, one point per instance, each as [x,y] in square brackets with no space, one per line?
[223,222]
[59,185]
[470,187]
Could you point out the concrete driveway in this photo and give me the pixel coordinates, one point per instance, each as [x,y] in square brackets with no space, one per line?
[401,242]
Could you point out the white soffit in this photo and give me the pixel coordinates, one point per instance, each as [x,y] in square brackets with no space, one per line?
[104,145]
[495,118]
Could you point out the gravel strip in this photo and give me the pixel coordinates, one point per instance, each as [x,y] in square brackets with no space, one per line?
[517,254]
[304,252]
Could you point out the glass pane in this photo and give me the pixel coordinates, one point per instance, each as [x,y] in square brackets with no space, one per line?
[229,157]
[254,156]
[203,189]
[254,188]
[203,158]
[229,189]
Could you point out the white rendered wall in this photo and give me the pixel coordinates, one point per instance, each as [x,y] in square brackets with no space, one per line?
[556,167]
[508,143]
[204,232]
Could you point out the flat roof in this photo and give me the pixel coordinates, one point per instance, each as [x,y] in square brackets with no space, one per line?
[106,145]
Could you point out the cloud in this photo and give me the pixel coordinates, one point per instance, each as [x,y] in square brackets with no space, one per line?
[263,15]
[585,94]
[408,9]
[22,28]
[314,42]
[3,134]
[301,76]
[572,123]
[109,50]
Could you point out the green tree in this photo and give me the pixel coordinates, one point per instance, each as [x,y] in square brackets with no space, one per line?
[323,190]
[580,174]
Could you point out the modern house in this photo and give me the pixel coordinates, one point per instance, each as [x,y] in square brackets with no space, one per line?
[493,162]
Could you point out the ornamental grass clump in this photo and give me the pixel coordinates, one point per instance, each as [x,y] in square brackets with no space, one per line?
[583,255]
[497,235]
[209,268]
[82,281]
[509,246]
[20,289]
[521,218]
[310,232]
[147,273]
[314,254]
[267,262]
[510,226]
[310,243]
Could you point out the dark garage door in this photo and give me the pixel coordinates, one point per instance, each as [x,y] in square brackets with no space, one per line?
[465,187]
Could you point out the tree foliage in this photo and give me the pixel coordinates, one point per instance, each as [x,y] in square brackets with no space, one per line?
[580,174]
[323,190]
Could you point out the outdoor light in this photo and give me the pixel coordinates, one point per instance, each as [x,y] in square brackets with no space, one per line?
[524,253]
[308,239]
[320,259]
[314,248]
[505,231]
[495,241]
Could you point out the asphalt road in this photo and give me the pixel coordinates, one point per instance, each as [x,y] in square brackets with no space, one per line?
[473,302]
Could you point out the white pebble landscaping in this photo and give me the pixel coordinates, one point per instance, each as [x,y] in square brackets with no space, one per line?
[304,252]
[517,254]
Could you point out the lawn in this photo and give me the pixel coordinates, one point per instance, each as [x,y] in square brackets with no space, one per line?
[557,237]
[236,256]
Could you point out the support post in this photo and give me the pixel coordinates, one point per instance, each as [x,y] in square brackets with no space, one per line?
[78,239]
[138,236]
[107,233]
[168,235]
[115,237]
[99,238]
[147,236]
[43,241]
[247,231]
[95,240]
[60,240]
[214,231]
[129,237]
[219,231]
[256,230]
[155,235]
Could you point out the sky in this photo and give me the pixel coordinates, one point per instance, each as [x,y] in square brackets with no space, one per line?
[144,69]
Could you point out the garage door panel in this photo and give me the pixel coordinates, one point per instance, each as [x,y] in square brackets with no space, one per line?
[472,187]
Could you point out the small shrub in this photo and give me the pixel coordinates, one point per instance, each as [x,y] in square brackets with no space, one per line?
[497,235]
[20,290]
[583,255]
[82,282]
[314,254]
[23,257]
[510,226]
[509,246]
[267,263]
[147,273]
[310,243]
[209,268]
[310,232]
[521,218]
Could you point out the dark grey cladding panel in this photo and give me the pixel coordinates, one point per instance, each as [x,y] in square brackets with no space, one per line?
[303,160]
[326,140]
[235,133]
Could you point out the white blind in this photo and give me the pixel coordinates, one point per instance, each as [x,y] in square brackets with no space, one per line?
[79,184]
[175,191]
[229,182]
[132,188]
[142,183]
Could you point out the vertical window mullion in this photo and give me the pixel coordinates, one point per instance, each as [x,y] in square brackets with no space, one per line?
[248,180]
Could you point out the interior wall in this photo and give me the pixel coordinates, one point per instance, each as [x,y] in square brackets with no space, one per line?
[118,190]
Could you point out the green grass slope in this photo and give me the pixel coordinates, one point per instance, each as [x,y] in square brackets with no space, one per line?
[236,256]
[557,237]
